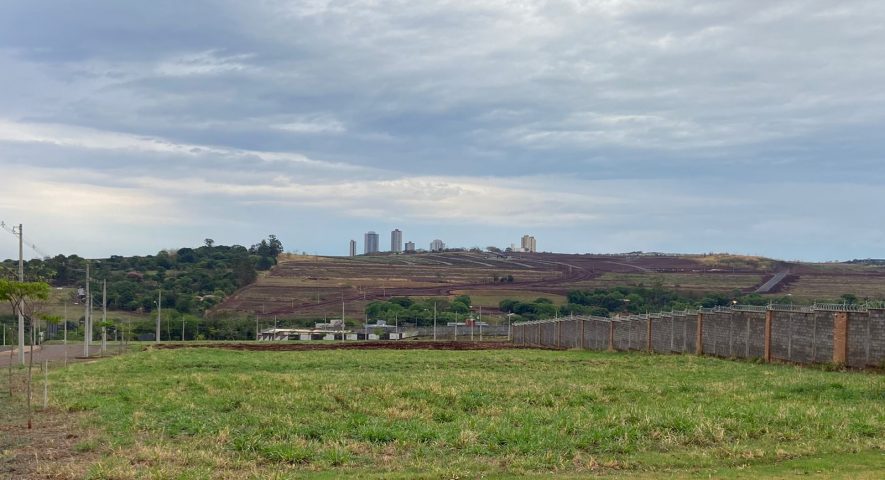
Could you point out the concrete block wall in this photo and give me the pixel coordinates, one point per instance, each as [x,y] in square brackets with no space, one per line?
[660,334]
[636,330]
[822,323]
[548,332]
[689,328]
[861,339]
[683,337]
[877,337]
[754,322]
[796,336]
[803,339]
[635,333]
[781,326]
[622,335]
[716,327]
[740,335]
[569,333]
[595,334]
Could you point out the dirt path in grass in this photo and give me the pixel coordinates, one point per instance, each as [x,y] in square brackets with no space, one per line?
[55,354]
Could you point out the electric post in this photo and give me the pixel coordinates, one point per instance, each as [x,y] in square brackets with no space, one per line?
[159,314]
[86,327]
[21,316]
[104,316]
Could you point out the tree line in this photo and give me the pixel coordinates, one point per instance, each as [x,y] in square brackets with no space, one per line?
[192,279]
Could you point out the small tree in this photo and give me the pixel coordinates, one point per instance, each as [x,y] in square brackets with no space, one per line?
[26,299]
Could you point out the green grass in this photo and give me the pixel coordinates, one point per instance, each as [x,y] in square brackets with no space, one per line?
[206,413]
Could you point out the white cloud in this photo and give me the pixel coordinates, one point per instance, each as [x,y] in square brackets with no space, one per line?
[87,138]
[312,125]
[203,63]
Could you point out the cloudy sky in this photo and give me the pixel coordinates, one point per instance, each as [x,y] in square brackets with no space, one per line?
[597,125]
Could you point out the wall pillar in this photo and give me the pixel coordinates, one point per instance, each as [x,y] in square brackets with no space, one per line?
[558,327]
[699,336]
[648,345]
[840,338]
[766,355]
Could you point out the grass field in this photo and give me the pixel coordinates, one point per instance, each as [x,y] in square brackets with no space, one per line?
[205,413]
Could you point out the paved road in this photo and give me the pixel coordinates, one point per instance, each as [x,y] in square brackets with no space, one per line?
[55,353]
[776,279]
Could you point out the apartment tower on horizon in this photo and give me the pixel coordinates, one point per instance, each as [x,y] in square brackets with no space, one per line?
[352,250]
[396,241]
[371,243]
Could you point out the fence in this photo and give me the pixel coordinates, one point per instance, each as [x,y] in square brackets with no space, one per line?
[464,332]
[843,334]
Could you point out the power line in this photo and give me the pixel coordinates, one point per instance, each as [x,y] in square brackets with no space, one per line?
[25,240]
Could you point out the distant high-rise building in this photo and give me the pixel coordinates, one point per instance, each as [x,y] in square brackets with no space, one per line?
[371,243]
[353,248]
[396,241]
[410,247]
[528,244]
[437,245]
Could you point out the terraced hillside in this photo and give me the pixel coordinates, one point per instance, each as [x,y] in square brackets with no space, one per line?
[308,286]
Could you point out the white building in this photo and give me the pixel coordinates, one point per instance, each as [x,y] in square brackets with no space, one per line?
[528,244]
[353,248]
[410,247]
[437,245]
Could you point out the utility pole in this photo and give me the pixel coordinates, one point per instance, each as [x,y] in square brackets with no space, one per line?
[21,316]
[104,316]
[86,327]
[159,314]
[66,332]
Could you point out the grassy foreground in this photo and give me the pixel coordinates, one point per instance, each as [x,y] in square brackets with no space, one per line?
[405,414]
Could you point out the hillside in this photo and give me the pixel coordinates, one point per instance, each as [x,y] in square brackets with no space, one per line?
[312,286]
